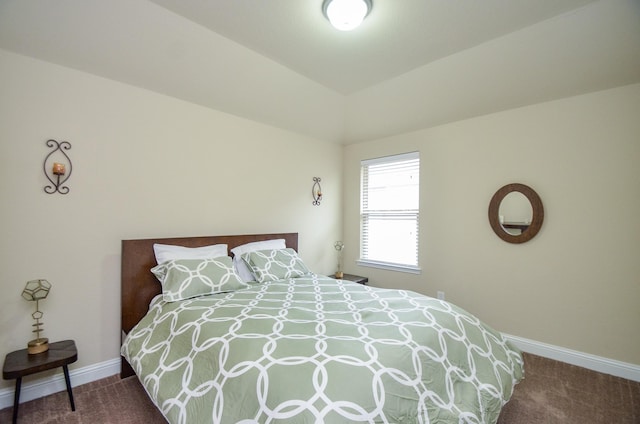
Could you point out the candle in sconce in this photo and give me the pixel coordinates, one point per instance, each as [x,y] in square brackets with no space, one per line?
[58,168]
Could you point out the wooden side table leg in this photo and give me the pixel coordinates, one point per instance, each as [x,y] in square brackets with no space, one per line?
[68,381]
[16,399]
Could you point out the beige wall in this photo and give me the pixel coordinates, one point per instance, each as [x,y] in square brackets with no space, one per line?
[147,165]
[144,165]
[577,284]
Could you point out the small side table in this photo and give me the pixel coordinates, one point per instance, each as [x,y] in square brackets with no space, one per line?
[356,279]
[19,363]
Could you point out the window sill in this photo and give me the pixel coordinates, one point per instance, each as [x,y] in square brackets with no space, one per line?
[390,266]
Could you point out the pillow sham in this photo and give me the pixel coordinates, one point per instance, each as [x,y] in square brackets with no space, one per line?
[167,252]
[278,264]
[241,267]
[186,278]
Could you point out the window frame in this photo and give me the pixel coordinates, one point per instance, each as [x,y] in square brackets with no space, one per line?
[391,266]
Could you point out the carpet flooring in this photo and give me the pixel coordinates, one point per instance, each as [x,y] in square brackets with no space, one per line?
[552,393]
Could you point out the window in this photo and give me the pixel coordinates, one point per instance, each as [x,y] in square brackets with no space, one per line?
[389,212]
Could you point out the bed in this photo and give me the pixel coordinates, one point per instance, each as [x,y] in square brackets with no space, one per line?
[296,347]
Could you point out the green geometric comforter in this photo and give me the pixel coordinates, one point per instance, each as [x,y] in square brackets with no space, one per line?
[317,350]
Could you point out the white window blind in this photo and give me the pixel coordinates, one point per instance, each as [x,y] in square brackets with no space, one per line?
[389,211]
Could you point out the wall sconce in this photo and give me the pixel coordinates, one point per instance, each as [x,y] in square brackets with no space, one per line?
[37,290]
[60,169]
[316,191]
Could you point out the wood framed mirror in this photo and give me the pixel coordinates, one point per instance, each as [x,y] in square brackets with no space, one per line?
[516,213]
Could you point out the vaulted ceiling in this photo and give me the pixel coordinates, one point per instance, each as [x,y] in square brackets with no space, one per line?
[411,65]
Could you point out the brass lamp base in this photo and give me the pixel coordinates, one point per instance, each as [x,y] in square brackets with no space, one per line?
[339,274]
[38,346]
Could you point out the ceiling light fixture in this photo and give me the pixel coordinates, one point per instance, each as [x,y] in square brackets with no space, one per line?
[346,15]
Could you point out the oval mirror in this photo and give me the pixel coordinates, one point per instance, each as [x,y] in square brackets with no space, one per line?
[516,213]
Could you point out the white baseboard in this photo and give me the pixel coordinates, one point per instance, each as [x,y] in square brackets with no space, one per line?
[573,357]
[47,386]
[55,383]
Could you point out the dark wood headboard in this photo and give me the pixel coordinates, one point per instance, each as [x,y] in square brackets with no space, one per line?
[139,285]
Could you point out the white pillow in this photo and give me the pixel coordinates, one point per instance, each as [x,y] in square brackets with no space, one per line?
[167,252]
[241,266]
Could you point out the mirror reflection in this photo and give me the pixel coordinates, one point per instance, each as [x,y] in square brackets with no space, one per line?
[515,213]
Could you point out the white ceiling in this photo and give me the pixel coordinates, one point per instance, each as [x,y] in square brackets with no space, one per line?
[412,64]
[396,37]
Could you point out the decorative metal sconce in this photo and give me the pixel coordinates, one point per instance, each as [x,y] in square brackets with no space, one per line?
[316,191]
[61,169]
[37,290]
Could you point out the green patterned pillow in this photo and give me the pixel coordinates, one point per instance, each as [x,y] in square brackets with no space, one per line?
[278,264]
[186,278]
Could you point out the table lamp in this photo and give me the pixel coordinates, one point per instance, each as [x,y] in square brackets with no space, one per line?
[339,246]
[37,290]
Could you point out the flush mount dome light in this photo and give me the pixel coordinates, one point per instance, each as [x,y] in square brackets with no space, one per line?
[346,15]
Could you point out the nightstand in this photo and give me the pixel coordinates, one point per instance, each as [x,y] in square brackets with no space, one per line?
[356,279]
[19,363]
